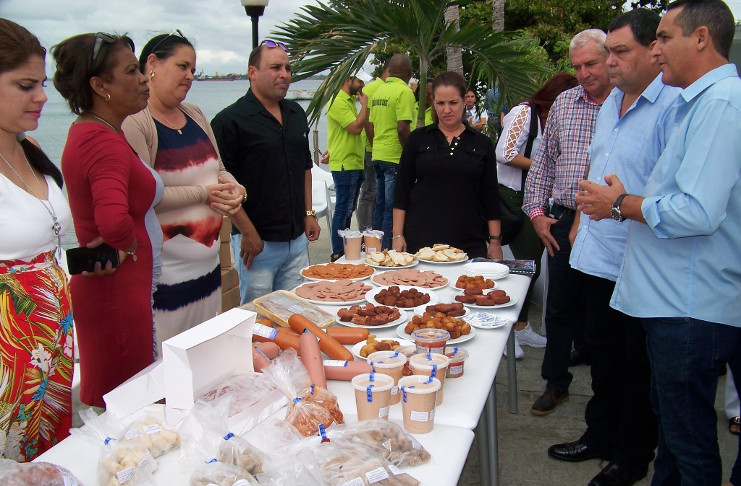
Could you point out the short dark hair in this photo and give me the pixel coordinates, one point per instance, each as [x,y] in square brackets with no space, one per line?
[543,98]
[642,22]
[162,46]
[450,78]
[713,14]
[17,45]
[76,66]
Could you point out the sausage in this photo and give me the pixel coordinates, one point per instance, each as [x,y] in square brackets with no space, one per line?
[345,370]
[311,358]
[327,343]
[265,334]
[348,335]
[260,358]
[270,349]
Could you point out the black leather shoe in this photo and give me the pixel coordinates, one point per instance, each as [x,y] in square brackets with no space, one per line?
[548,401]
[578,358]
[614,475]
[576,451]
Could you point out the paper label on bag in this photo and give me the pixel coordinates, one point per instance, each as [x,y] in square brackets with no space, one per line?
[265,331]
[69,480]
[152,429]
[133,434]
[241,482]
[383,412]
[126,475]
[334,362]
[395,390]
[419,416]
[354,482]
[415,443]
[395,470]
[377,475]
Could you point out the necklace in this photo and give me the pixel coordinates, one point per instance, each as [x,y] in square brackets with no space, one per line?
[172,125]
[101,119]
[55,227]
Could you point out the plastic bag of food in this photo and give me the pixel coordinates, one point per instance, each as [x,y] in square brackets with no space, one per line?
[120,463]
[221,474]
[26,473]
[152,434]
[244,390]
[343,463]
[386,438]
[312,408]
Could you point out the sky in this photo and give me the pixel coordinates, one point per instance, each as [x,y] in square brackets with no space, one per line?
[219,29]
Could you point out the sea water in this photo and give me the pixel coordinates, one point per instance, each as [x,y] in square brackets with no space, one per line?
[210,96]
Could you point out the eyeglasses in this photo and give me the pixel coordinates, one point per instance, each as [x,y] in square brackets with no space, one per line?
[176,31]
[100,38]
[270,43]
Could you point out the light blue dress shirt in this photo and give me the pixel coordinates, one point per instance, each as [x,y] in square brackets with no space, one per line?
[629,147]
[685,261]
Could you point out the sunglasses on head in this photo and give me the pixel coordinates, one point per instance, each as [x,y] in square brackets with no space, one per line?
[270,43]
[176,31]
[100,38]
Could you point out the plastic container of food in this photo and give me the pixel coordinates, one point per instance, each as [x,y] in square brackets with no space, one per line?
[278,306]
[430,340]
[458,358]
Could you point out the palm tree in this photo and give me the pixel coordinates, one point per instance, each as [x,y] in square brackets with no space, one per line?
[338,39]
[497,15]
[454,54]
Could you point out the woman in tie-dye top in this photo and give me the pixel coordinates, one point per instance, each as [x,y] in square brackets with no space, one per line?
[176,139]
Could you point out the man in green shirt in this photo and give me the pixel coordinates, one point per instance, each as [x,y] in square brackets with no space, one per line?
[367,199]
[345,145]
[392,110]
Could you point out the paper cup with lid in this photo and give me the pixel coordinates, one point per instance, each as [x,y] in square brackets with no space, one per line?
[352,241]
[372,240]
[434,365]
[372,395]
[418,395]
[389,363]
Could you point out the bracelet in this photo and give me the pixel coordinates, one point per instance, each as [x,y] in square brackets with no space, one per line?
[131,254]
[495,237]
[244,199]
[397,237]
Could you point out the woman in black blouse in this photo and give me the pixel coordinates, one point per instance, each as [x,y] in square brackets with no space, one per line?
[446,188]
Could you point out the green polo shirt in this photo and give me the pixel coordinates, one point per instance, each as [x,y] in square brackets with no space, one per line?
[369,89]
[345,149]
[392,102]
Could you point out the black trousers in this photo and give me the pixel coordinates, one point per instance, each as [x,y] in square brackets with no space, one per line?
[619,416]
[564,311]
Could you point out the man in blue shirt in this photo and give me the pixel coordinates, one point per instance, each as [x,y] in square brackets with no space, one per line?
[681,273]
[628,139]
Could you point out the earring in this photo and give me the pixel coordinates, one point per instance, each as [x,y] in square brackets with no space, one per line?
[108,96]
[151,74]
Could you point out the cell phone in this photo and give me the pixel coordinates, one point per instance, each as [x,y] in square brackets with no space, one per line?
[83,259]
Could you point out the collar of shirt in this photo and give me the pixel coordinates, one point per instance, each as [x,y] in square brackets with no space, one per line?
[285,105]
[708,79]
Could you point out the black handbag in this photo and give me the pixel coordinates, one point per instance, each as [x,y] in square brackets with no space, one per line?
[512,219]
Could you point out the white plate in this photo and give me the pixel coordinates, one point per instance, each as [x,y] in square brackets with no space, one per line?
[378,275]
[484,320]
[381,267]
[370,296]
[328,302]
[420,310]
[401,320]
[492,270]
[444,263]
[357,347]
[462,339]
[512,301]
[314,279]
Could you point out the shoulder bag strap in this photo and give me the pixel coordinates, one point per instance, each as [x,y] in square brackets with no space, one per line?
[532,135]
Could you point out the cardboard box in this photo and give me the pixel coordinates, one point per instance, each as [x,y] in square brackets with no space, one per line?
[142,389]
[230,299]
[226,229]
[198,359]
[225,255]
[229,279]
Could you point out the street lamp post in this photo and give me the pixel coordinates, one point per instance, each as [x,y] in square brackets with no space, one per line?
[254,8]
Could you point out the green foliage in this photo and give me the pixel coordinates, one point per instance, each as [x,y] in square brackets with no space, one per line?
[339,37]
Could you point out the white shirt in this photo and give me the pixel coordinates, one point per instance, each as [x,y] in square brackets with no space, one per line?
[515,131]
[25,226]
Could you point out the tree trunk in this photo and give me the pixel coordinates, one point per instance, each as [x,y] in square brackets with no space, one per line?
[455,56]
[497,15]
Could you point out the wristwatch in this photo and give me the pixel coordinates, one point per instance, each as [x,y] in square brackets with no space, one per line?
[615,209]
[311,213]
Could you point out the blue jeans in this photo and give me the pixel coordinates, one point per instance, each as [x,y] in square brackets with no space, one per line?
[383,216]
[347,187]
[685,356]
[278,267]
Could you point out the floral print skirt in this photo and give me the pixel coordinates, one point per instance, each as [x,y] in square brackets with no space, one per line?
[36,357]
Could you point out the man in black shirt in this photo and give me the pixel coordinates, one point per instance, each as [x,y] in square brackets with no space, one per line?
[263,141]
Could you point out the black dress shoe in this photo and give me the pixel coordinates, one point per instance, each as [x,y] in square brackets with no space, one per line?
[614,475]
[576,451]
[576,358]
